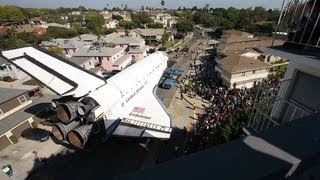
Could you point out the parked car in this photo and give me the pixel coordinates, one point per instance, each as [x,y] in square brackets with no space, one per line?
[36,134]
[168,83]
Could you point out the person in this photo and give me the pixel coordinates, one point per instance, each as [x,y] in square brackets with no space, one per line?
[7,169]
[181,95]
[34,154]
[194,106]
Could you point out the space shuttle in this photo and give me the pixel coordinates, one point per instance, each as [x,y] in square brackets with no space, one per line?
[90,106]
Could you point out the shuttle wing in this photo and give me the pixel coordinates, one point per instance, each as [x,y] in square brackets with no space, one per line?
[145,117]
[56,73]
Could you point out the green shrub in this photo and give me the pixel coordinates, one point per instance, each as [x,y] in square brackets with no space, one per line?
[7,79]
[34,124]
[162,49]
[13,139]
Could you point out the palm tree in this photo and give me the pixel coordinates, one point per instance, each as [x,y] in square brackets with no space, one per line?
[162,3]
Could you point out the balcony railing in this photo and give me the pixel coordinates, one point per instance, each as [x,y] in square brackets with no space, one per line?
[271,108]
[301,19]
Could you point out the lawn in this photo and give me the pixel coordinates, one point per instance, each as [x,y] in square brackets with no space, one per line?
[32,82]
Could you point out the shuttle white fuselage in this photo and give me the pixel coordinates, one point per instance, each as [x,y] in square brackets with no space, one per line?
[123,105]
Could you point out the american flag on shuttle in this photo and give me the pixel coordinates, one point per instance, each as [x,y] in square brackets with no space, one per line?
[139,110]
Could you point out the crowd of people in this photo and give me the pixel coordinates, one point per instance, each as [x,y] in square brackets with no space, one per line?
[205,83]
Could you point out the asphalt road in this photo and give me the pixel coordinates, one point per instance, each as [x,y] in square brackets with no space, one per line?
[118,155]
[181,63]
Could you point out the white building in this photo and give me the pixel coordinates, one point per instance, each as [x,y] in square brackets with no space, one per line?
[239,71]
[111,23]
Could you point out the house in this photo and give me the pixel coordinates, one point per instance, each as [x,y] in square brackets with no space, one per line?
[240,71]
[76,13]
[103,56]
[68,45]
[36,21]
[138,53]
[17,111]
[110,23]
[150,34]
[7,69]
[84,62]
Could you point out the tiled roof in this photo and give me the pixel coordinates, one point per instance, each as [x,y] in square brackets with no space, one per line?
[149,32]
[9,93]
[97,51]
[237,64]
[138,50]
[79,60]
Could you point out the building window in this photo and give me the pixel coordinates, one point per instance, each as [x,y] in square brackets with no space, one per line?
[22,99]
[243,74]
[254,71]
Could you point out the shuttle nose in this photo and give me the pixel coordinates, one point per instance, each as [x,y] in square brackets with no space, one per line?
[68,111]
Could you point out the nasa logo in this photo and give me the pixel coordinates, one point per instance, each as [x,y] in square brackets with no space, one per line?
[139,110]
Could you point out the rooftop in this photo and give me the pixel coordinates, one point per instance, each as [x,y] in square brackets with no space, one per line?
[88,37]
[16,118]
[149,32]
[97,51]
[274,154]
[121,60]
[71,43]
[128,40]
[138,50]
[10,93]
[79,60]
[237,64]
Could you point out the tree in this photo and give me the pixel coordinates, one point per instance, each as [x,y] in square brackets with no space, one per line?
[230,128]
[109,30]
[184,25]
[155,25]
[15,43]
[56,50]
[82,8]
[141,18]
[94,21]
[75,19]
[11,13]
[194,8]
[117,17]
[162,3]
[127,24]
[165,37]
[61,32]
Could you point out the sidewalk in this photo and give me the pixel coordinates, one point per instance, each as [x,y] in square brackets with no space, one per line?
[20,156]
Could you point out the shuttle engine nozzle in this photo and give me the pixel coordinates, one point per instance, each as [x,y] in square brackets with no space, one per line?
[60,130]
[80,135]
[67,112]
